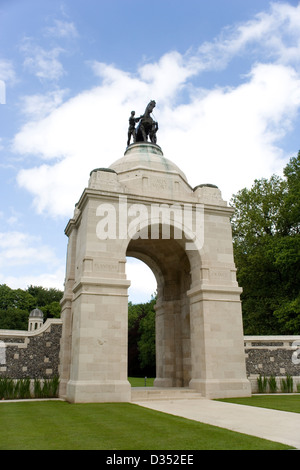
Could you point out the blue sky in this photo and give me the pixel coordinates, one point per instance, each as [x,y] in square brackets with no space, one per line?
[225,75]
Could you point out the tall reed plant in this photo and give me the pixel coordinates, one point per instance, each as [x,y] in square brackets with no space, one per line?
[287,385]
[46,388]
[262,383]
[11,389]
[272,384]
[7,388]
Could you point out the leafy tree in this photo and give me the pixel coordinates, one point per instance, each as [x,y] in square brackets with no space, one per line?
[52,310]
[134,315]
[266,234]
[47,300]
[16,304]
[146,344]
[45,296]
[141,339]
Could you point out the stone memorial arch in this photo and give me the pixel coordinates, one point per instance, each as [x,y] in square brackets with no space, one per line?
[143,206]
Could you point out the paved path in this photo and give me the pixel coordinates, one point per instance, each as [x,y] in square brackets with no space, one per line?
[278,426]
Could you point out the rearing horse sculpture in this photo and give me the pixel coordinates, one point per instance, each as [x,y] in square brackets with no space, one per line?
[147,126]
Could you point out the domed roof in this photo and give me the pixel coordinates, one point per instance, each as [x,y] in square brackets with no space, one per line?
[36,313]
[148,156]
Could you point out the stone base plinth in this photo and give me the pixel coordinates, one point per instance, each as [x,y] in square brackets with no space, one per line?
[98,392]
[163,382]
[222,388]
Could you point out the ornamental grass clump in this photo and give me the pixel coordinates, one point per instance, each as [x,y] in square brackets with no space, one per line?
[7,388]
[11,389]
[262,383]
[14,389]
[287,384]
[47,388]
[272,384]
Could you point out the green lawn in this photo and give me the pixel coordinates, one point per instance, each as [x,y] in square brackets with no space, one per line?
[140,381]
[111,426]
[276,402]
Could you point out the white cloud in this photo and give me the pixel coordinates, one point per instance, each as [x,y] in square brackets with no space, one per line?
[38,106]
[7,71]
[272,35]
[167,77]
[47,280]
[143,282]
[7,77]
[62,29]
[44,64]
[232,136]
[17,248]
[227,135]
[56,188]
[28,256]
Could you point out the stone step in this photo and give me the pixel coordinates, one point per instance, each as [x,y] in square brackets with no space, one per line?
[163,393]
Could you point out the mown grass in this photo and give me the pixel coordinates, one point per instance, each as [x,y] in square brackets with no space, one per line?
[141,381]
[58,425]
[276,402]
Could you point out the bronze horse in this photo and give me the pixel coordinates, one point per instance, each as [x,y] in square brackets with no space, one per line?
[147,126]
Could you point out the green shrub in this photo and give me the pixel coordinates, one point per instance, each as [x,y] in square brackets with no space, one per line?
[7,388]
[287,384]
[272,384]
[37,389]
[47,388]
[262,384]
[54,387]
[14,389]
[11,389]
[23,386]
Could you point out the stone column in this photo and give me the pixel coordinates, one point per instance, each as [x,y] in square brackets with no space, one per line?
[99,342]
[95,309]
[217,350]
[165,344]
[66,311]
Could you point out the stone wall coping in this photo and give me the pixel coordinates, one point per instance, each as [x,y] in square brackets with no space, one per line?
[59,321]
[273,338]
[25,333]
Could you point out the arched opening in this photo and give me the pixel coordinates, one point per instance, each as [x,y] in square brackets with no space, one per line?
[170,263]
[141,322]
[143,282]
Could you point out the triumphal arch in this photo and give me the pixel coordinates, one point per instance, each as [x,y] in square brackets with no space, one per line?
[143,206]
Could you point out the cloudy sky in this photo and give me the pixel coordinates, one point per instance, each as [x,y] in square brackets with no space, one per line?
[225,75]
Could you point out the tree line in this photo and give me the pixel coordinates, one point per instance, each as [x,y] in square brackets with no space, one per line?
[16,304]
[266,238]
[266,243]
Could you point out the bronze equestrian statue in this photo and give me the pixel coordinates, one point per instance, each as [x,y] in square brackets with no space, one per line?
[146,127]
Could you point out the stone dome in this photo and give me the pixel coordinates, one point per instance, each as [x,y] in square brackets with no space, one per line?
[36,313]
[146,156]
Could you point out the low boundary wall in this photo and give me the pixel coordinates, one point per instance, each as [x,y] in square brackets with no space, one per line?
[35,354]
[277,356]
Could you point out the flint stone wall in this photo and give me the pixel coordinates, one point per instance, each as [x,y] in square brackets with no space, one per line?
[277,356]
[33,354]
